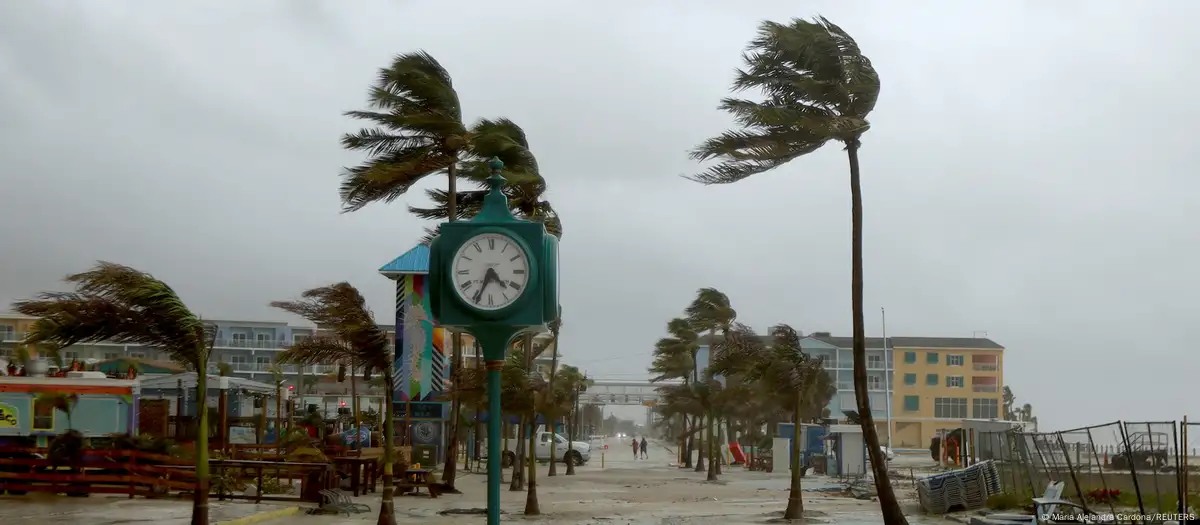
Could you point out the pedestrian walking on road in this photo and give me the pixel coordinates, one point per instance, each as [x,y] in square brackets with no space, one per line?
[635,448]
[643,447]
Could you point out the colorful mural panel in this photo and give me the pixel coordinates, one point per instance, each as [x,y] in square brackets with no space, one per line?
[420,345]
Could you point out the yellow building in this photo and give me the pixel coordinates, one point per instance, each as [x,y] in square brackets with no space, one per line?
[941,382]
[12,329]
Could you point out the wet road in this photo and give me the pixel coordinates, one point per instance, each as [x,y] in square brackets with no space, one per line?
[619,455]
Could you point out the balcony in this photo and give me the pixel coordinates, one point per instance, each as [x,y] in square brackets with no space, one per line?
[991,389]
[985,367]
[250,343]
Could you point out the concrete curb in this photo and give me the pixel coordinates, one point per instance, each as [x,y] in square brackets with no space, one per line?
[262,516]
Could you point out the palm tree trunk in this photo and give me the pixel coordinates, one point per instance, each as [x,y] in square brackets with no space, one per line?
[888,504]
[354,408]
[571,426]
[531,500]
[713,461]
[451,469]
[387,507]
[518,473]
[795,506]
[549,421]
[278,418]
[700,450]
[200,498]
[717,450]
[684,454]
[452,192]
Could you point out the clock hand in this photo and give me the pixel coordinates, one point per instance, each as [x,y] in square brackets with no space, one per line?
[487,278]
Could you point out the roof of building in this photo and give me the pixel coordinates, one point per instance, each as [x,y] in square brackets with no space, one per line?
[972,343]
[415,260]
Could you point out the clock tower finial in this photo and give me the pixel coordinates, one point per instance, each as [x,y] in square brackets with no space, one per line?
[495,204]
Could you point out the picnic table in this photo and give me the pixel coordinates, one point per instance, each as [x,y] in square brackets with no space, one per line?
[362,471]
[415,478]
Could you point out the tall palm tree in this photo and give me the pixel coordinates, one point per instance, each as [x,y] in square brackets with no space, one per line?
[418,131]
[798,383]
[356,339]
[118,304]
[525,190]
[817,87]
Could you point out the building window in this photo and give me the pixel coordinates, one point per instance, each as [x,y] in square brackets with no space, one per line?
[910,357]
[137,355]
[70,355]
[985,409]
[43,414]
[875,361]
[931,379]
[950,407]
[264,340]
[263,363]
[910,379]
[912,403]
[297,339]
[874,382]
[931,358]
[955,360]
[7,333]
[955,381]
[239,339]
[109,356]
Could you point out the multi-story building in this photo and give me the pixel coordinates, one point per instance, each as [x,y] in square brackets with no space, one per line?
[249,347]
[938,382]
[942,381]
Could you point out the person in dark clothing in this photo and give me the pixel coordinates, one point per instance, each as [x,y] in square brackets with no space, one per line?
[643,447]
[635,448]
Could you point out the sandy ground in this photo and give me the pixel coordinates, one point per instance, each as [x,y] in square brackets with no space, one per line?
[40,509]
[624,491]
[635,492]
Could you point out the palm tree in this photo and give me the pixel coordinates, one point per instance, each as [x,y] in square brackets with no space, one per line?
[675,358]
[710,312]
[699,399]
[818,87]
[356,339]
[569,382]
[418,131]
[798,383]
[553,404]
[118,304]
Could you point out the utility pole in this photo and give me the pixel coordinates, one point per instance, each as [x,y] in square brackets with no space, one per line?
[887,372]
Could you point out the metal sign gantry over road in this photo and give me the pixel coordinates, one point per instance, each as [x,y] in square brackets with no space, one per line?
[610,392]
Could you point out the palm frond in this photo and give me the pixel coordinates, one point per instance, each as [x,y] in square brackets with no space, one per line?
[317,351]
[711,310]
[389,176]
[342,309]
[817,86]
[119,304]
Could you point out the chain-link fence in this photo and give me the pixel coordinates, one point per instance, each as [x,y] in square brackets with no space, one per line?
[1120,467]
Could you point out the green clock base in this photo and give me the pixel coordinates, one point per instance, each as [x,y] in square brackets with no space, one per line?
[495,276]
[494,340]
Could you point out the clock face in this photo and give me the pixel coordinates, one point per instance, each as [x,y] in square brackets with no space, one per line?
[490,271]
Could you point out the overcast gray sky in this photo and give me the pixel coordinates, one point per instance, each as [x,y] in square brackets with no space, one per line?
[1026,173]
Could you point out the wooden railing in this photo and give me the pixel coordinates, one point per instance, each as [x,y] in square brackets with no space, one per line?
[136,473]
[127,472]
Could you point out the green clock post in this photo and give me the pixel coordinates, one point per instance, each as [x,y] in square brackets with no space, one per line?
[494,276]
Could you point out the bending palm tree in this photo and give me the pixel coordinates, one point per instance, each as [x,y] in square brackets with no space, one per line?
[711,311]
[818,87]
[118,304]
[793,380]
[418,131]
[675,358]
[358,341]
